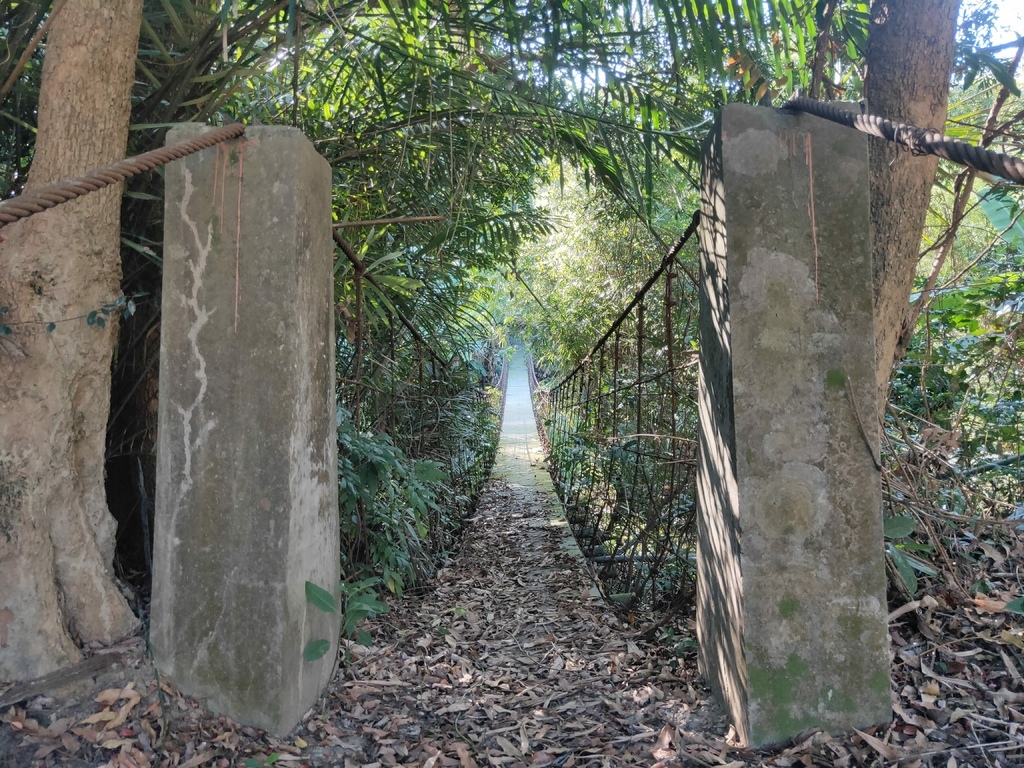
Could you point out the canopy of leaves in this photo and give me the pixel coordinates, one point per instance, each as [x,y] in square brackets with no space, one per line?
[551,142]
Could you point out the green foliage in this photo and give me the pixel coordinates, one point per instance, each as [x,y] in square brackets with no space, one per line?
[440,430]
[360,602]
[954,433]
[568,286]
[384,506]
[315,649]
[960,372]
[320,598]
[899,527]
[680,645]
[428,434]
[122,305]
[324,601]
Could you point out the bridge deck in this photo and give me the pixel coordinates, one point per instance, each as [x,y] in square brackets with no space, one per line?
[511,659]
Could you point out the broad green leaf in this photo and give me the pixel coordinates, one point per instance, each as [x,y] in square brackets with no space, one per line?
[1003,210]
[1000,72]
[316,649]
[320,598]
[906,569]
[430,472]
[368,604]
[1016,606]
[900,526]
[918,564]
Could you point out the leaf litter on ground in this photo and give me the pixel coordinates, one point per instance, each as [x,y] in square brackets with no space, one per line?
[508,659]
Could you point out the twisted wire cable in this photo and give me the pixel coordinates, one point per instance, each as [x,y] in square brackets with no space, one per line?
[920,141]
[677,246]
[36,200]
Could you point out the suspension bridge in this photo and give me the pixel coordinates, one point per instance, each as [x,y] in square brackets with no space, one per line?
[509,658]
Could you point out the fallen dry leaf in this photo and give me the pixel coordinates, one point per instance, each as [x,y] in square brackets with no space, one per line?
[878,745]
[538,672]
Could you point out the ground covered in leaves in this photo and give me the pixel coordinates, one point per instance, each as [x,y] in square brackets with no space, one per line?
[508,659]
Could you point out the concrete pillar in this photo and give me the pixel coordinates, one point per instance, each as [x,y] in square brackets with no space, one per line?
[791,601]
[247,491]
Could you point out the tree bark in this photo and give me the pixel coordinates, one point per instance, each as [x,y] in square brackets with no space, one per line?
[910,58]
[56,535]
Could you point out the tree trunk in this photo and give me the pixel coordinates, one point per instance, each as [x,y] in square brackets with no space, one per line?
[56,535]
[910,57]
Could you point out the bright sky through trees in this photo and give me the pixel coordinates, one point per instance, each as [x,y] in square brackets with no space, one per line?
[1010,21]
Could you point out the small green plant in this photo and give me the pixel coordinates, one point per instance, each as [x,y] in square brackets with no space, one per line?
[386,501]
[359,601]
[680,645]
[324,601]
[412,463]
[121,304]
[98,317]
[897,529]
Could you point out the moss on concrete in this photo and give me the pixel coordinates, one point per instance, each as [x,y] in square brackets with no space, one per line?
[788,607]
[835,379]
[774,691]
[791,593]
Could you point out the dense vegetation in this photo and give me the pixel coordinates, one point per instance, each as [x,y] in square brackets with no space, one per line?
[543,155]
[952,444]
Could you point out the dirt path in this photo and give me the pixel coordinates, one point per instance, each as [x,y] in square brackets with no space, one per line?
[511,659]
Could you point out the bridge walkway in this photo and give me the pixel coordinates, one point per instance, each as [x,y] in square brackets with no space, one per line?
[511,658]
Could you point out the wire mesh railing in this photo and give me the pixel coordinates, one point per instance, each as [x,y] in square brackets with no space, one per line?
[418,431]
[622,432]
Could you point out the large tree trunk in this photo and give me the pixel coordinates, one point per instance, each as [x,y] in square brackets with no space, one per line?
[56,535]
[910,57]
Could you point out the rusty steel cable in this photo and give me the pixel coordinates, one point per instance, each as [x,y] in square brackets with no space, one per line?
[361,272]
[36,200]
[677,246]
[920,141]
[622,449]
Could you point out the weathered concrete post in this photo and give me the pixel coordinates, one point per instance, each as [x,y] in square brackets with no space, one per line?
[791,599]
[247,492]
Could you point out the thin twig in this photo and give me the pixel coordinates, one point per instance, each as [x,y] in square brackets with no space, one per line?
[382,222]
[33,44]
